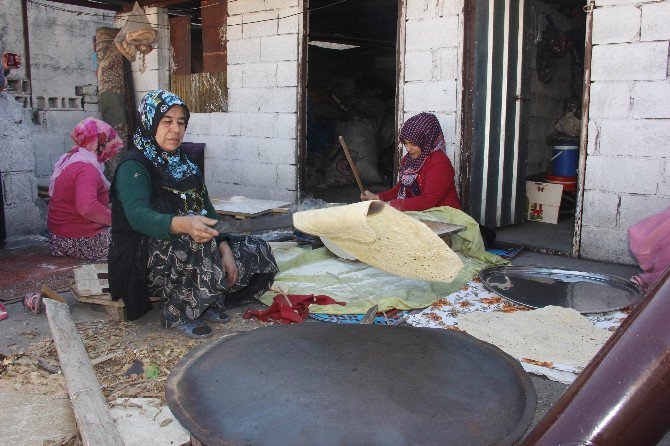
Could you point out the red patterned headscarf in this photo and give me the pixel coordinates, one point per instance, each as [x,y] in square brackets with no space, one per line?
[98,137]
[424,131]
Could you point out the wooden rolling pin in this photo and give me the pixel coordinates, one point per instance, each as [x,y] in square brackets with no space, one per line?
[353,166]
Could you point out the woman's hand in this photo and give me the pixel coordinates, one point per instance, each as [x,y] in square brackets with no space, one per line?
[197,226]
[228,264]
[369,196]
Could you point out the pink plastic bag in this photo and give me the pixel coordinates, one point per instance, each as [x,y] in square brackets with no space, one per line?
[649,242]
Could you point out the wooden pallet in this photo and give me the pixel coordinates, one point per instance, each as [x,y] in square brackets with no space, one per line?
[91,286]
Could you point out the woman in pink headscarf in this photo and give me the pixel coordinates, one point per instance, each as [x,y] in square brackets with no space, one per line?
[79,215]
[426,173]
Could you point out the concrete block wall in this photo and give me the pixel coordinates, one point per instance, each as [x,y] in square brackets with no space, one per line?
[252,147]
[432,65]
[627,174]
[19,189]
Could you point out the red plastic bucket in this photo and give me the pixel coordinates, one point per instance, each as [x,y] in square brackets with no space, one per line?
[569,183]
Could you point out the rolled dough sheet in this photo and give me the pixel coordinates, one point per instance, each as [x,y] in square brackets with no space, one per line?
[386,239]
[555,334]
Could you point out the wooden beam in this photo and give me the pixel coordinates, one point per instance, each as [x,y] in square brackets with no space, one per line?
[94,421]
[110,5]
[161,3]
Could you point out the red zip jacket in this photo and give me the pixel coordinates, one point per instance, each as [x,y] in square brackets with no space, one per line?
[436,183]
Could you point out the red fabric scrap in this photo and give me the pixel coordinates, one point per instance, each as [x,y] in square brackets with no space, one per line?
[286,309]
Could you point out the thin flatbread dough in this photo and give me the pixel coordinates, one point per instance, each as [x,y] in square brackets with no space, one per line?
[555,334]
[385,238]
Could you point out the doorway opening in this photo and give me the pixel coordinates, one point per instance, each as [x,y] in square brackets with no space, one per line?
[522,112]
[350,92]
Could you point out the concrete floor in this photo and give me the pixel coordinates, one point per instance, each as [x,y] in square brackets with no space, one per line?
[22,321]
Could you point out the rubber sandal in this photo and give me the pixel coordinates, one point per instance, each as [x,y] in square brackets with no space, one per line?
[216,315]
[33,302]
[196,329]
[3,312]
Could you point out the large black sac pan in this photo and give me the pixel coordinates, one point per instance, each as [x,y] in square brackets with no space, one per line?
[330,384]
[539,287]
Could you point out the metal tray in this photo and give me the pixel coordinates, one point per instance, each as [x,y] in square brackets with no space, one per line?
[539,287]
[332,384]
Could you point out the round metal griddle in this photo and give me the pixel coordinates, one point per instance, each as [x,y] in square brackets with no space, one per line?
[331,384]
[539,287]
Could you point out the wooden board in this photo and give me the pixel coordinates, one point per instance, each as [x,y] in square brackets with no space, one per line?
[245,207]
[91,280]
[94,421]
[443,229]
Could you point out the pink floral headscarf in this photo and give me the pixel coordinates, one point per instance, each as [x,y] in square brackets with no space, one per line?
[97,136]
[95,142]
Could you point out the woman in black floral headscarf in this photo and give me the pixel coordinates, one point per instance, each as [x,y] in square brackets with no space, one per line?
[162,240]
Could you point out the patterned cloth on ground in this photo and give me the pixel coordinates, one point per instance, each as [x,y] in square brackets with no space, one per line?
[475,298]
[189,278]
[393,317]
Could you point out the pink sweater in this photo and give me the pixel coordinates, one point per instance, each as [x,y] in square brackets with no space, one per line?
[78,207]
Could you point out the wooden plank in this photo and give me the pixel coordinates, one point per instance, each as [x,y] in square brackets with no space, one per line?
[245,207]
[443,229]
[91,279]
[94,421]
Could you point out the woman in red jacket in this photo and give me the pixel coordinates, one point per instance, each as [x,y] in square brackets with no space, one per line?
[426,174]
[79,216]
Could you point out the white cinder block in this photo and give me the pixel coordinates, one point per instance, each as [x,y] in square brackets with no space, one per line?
[289,21]
[605,244]
[664,184]
[448,64]
[250,124]
[235,75]
[243,6]
[453,6]
[199,124]
[622,174]
[423,9]
[244,148]
[437,97]
[632,61]
[601,208]
[258,174]
[244,51]
[610,100]
[287,176]
[282,4]
[259,24]
[257,75]
[278,48]
[651,99]
[617,2]
[635,137]
[617,24]
[635,208]
[222,123]
[244,99]
[285,125]
[234,31]
[593,134]
[419,66]
[655,21]
[287,74]
[266,122]
[432,33]
[448,124]
[277,151]
[280,100]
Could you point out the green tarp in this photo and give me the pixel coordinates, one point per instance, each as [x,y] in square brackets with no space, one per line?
[304,271]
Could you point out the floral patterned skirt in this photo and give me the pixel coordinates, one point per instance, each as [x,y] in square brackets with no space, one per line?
[189,278]
[93,248]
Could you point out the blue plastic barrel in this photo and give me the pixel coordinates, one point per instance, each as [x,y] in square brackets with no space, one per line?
[564,160]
